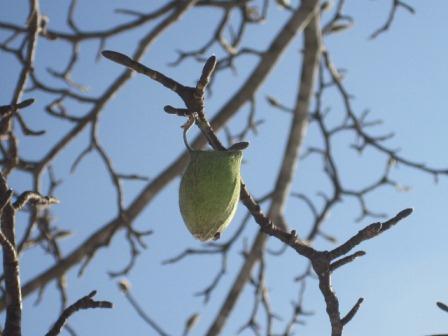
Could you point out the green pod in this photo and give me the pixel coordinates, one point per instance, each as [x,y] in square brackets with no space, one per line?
[209,192]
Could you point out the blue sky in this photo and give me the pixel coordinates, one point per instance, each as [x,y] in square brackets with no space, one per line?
[400,77]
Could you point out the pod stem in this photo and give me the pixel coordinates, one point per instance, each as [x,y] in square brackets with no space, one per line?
[190,121]
[185,139]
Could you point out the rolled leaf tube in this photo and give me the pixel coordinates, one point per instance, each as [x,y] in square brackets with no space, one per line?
[209,192]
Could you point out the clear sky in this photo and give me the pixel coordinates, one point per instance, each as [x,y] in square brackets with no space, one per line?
[400,77]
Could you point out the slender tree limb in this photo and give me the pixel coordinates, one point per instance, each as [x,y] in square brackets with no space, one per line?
[7,109]
[347,318]
[85,302]
[125,288]
[346,260]
[82,36]
[396,4]
[33,33]
[368,232]
[11,269]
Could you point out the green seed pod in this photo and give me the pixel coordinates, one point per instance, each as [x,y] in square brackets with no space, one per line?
[209,192]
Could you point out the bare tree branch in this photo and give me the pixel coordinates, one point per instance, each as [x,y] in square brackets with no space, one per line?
[10,264]
[125,288]
[85,302]
[396,4]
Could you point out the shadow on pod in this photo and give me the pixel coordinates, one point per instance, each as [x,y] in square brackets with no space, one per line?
[209,192]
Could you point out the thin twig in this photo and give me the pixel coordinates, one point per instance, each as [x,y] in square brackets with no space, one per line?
[85,302]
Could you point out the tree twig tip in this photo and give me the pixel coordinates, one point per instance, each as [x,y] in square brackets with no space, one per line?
[106,53]
[114,56]
[406,212]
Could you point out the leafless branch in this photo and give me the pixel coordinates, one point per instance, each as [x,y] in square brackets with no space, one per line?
[126,291]
[85,302]
[396,4]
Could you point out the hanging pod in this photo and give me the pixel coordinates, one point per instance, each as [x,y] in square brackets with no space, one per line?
[209,192]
